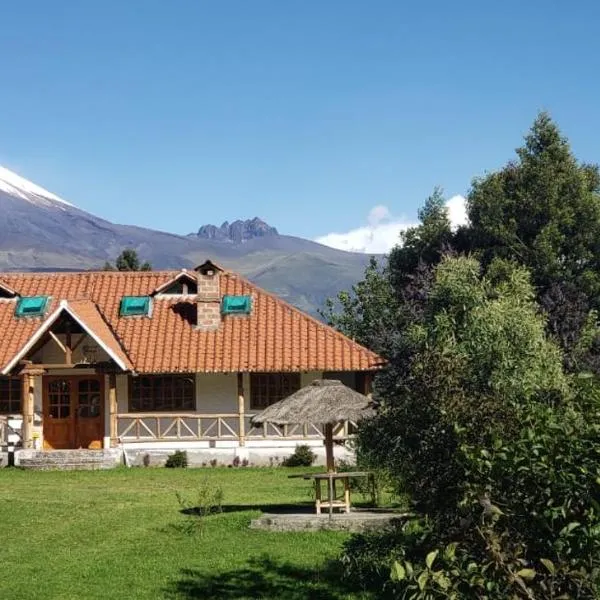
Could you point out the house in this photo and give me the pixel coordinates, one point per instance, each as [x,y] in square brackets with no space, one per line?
[152,361]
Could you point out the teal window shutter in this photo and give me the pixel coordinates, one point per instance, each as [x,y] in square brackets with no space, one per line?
[32,306]
[135,306]
[236,305]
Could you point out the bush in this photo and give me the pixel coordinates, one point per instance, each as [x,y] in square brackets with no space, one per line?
[497,445]
[177,460]
[303,457]
[208,500]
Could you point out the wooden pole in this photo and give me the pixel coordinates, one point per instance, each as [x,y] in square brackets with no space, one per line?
[329,447]
[27,409]
[113,409]
[241,409]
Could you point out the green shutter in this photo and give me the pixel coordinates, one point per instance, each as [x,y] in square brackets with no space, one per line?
[236,305]
[135,306]
[32,306]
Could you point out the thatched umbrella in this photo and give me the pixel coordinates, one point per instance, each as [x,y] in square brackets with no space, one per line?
[324,401]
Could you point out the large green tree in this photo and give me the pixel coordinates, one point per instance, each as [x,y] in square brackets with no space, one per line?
[542,210]
[496,444]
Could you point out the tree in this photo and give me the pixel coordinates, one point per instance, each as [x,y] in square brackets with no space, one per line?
[495,443]
[368,311]
[543,211]
[128,261]
[423,244]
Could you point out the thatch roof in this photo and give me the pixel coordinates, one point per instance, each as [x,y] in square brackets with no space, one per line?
[323,401]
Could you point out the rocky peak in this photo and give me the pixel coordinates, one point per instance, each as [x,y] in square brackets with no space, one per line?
[237,232]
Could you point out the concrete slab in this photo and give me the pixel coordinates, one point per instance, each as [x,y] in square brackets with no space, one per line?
[356,521]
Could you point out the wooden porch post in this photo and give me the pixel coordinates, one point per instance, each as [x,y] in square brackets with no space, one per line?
[27,409]
[113,409]
[241,409]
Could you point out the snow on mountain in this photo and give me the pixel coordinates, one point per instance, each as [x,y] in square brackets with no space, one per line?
[18,186]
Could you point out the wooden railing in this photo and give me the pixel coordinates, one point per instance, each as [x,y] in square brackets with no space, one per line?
[221,426]
[6,431]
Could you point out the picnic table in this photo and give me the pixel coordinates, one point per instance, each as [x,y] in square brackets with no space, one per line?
[331,477]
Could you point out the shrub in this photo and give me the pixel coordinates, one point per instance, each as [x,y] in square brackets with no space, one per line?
[303,457]
[208,500]
[177,460]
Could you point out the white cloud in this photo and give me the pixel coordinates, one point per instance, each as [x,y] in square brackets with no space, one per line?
[382,231]
[457,211]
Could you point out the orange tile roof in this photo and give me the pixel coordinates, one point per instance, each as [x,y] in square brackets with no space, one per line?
[275,337]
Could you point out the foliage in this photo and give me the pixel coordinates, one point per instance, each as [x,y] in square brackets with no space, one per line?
[128,260]
[177,460]
[424,244]
[380,489]
[303,456]
[207,500]
[366,312]
[543,211]
[496,444]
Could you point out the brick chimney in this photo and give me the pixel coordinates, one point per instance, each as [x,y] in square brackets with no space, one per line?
[208,300]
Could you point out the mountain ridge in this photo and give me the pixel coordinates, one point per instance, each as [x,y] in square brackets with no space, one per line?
[41,231]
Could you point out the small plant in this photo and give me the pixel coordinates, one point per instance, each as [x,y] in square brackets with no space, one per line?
[146,460]
[214,462]
[245,462]
[207,501]
[236,461]
[303,457]
[177,460]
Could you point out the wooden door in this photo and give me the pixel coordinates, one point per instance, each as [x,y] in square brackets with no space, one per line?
[73,412]
[58,413]
[89,426]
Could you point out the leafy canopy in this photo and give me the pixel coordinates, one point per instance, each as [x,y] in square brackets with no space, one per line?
[128,260]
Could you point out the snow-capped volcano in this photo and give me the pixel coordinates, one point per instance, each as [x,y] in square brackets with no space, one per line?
[18,186]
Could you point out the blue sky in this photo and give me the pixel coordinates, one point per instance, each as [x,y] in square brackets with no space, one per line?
[307,114]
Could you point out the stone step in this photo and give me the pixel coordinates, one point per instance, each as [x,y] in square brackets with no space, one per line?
[68,460]
[67,467]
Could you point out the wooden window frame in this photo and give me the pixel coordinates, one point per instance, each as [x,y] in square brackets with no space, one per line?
[162,393]
[268,388]
[11,395]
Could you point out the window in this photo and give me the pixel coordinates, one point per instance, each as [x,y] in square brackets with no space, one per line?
[162,393]
[10,395]
[135,306]
[236,305]
[268,388]
[182,287]
[31,306]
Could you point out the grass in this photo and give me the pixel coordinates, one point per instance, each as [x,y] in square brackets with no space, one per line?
[121,534]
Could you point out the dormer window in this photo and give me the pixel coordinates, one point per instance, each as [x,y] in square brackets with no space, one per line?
[183,284]
[135,306]
[32,306]
[236,305]
[181,287]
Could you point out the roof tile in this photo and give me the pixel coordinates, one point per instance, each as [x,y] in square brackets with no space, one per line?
[275,337]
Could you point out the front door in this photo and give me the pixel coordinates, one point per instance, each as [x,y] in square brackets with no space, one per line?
[73,415]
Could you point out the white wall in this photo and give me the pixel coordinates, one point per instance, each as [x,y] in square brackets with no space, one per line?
[216,393]
[50,353]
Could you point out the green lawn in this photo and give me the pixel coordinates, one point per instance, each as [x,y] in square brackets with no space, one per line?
[120,534]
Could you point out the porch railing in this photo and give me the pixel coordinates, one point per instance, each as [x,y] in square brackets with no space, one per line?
[6,432]
[133,427]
